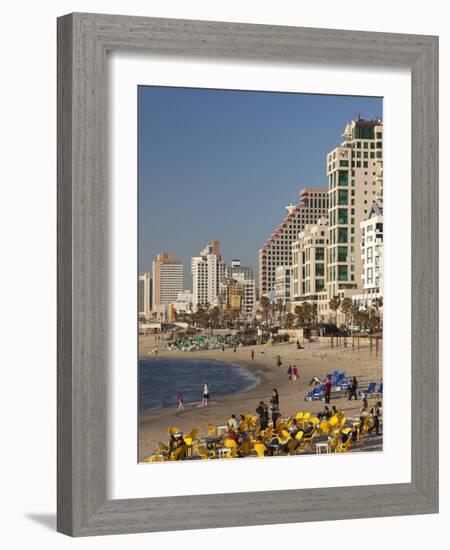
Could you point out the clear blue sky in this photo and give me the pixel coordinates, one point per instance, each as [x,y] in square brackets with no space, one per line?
[219,164]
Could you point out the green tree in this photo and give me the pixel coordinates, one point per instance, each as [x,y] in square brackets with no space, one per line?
[346,306]
[335,304]
[264,302]
[289,321]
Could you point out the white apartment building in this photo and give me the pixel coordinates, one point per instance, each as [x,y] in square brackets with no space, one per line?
[167,280]
[283,274]
[238,269]
[184,302]
[277,250]
[144,294]
[371,257]
[355,180]
[207,270]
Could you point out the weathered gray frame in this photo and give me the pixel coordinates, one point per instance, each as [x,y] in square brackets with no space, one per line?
[83,40]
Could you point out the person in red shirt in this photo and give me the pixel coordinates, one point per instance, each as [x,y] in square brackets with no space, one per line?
[327,390]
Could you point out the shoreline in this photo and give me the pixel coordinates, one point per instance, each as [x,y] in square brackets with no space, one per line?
[258,377]
[317,359]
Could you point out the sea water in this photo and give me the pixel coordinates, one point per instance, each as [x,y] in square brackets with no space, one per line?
[161,380]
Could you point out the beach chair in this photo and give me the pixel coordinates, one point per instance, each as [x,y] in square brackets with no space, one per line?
[314,420]
[344,447]
[308,440]
[260,449]
[306,417]
[315,394]
[232,446]
[325,427]
[244,449]
[202,452]
[212,430]
[192,434]
[309,396]
[173,430]
[179,453]
[153,458]
[370,390]
[292,446]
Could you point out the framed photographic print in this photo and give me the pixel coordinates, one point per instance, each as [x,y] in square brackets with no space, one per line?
[247,274]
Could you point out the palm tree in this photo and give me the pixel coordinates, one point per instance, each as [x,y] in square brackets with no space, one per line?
[214,316]
[300,314]
[335,303]
[307,309]
[289,321]
[280,308]
[354,311]
[315,315]
[265,304]
[346,306]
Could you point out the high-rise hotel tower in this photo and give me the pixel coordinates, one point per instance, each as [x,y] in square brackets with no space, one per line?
[276,251]
[355,181]
[167,280]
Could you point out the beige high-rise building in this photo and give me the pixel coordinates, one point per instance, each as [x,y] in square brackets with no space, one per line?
[355,180]
[277,250]
[309,267]
[167,280]
[144,294]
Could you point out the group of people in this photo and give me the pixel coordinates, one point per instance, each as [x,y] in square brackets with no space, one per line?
[263,411]
[205,397]
[292,373]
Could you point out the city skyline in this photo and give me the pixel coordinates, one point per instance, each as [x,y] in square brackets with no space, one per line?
[229,150]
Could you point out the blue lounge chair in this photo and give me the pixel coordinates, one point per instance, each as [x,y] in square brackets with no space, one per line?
[370,390]
[379,393]
[314,394]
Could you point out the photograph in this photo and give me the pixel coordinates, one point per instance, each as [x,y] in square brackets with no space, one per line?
[260,289]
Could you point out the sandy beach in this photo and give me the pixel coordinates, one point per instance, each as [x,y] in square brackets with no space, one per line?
[317,359]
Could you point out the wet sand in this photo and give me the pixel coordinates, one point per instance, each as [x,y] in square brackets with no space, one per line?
[317,359]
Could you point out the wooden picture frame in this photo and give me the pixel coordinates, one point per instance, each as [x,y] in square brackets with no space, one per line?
[83,41]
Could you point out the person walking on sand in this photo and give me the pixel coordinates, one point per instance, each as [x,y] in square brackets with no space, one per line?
[327,390]
[253,354]
[353,386]
[180,402]
[377,413]
[289,372]
[279,362]
[205,397]
[275,397]
[263,412]
[294,373]
[275,412]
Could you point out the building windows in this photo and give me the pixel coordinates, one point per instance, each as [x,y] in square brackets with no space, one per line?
[320,253]
[342,216]
[343,177]
[342,272]
[342,235]
[342,254]
[342,196]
